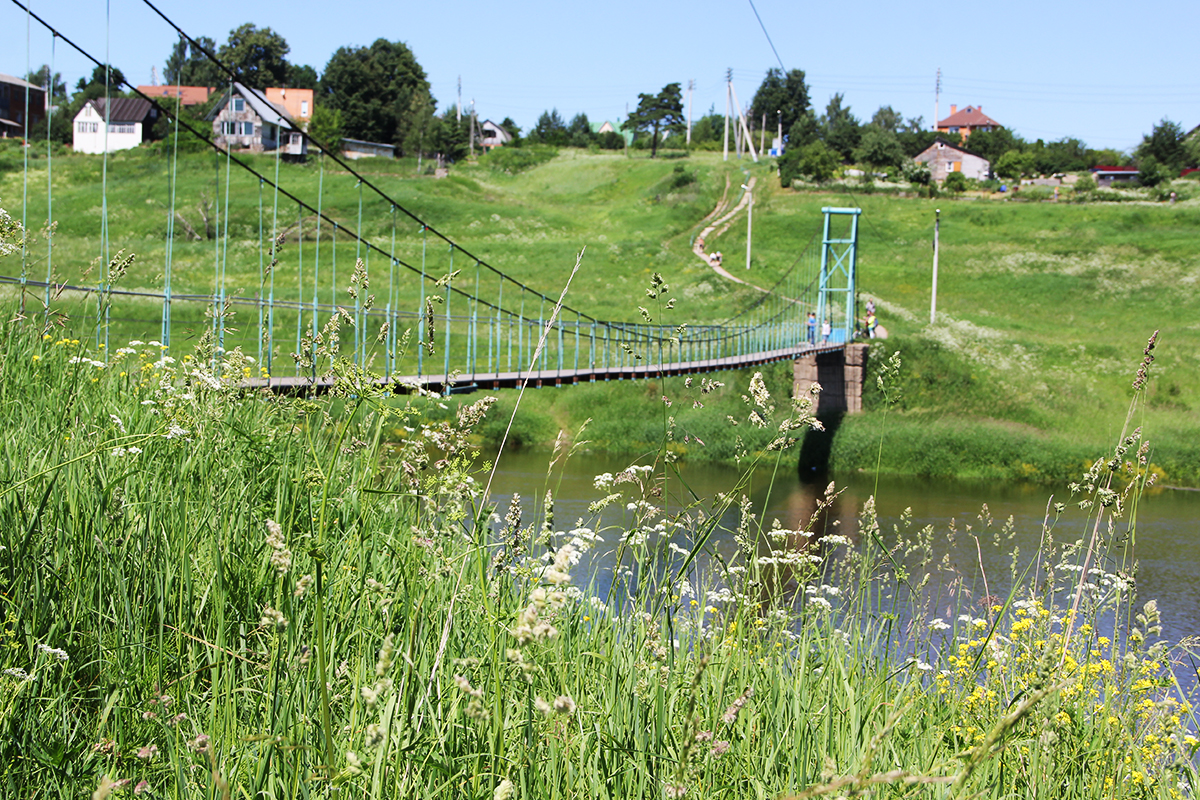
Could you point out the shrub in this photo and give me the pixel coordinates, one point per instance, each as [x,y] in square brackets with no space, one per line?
[512,160]
[955,182]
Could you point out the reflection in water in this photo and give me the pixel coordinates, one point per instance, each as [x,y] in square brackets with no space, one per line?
[970,558]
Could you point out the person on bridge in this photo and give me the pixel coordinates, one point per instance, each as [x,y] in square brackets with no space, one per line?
[826,330]
[872,323]
[812,328]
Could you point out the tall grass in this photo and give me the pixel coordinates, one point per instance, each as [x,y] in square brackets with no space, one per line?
[214,593]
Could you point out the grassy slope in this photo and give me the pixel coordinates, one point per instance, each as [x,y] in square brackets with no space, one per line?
[1044,308]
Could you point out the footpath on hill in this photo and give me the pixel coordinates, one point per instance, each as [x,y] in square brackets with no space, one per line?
[720,222]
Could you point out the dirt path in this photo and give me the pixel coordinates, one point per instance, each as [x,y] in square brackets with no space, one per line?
[723,219]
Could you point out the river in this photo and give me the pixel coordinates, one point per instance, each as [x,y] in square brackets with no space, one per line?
[1166,545]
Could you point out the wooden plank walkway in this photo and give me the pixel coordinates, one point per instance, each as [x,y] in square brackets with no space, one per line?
[484,381]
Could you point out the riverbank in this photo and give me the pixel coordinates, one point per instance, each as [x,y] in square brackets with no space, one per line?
[209,592]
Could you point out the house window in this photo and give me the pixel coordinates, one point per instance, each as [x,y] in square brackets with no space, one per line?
[239,104]
[88,127]
[954,129]
[247,129]
[124,127]
[304,108]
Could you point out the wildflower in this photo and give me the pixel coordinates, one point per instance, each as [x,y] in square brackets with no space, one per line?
[465,685]
[148,752]
[105,788]
[504,790]
[142,787]
[18,673]
[302,585]
[176,432]
[674,791]
[731,713]
[704,736]
[175,720]
[720,748]
[273,618]
[541,705]
[564,704]
[201,743]
[374,736]
[353,764]
[281,556]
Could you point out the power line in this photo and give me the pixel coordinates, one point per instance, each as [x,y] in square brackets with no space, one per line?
[764,30]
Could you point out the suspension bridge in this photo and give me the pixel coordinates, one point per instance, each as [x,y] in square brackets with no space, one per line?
[421,309]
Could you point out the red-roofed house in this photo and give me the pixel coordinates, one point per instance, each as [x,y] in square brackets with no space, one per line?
[968,120]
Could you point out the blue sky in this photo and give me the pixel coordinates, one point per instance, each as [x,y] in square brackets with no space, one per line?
[1099,71]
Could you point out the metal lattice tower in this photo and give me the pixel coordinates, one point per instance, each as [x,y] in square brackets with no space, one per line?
[839,258]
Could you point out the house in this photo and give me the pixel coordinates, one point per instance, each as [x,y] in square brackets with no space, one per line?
[1107,176]
[492,135]
[355,148]
[601,128]
[298,103]
[14,114]
[244,118]
[944,158]
[188,95]
[968,120]
[118,123]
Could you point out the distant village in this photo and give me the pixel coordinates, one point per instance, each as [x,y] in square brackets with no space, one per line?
[966,143]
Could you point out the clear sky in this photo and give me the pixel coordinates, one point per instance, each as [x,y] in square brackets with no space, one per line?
[1101,71]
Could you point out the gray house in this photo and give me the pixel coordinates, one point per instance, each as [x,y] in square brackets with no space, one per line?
[244,118]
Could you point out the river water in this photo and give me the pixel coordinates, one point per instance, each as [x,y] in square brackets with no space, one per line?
[1166,544]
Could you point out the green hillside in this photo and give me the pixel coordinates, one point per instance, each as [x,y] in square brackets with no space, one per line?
[1044,308]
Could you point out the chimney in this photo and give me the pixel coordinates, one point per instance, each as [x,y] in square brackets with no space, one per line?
[953,110]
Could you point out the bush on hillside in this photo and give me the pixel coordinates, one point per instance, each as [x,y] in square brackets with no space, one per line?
[511,160]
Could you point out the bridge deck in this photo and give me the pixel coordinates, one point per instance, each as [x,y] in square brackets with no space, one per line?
[482,381]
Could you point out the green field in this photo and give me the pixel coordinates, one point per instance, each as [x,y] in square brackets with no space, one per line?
[1044,308]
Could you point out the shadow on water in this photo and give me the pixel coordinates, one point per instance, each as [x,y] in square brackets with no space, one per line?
[816,447]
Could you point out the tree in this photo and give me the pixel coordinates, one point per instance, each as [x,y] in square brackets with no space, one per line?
[42,77]
[888,119]
[511,128]
[302,76]
[580,131]
[1165,145]
[95,87]
[549,129]
[804,130]
[661,112]
[257,55]
[815,161]
[781,93]
[188,66]
[956,182]
[879,147]
[1012,165]
[840,128]
[382,94]
[325,126]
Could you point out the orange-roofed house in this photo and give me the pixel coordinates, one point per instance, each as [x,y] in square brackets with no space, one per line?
[297,102]
[188,95]
[967,121]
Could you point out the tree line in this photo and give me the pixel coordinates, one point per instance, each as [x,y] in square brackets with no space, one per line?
[380,93]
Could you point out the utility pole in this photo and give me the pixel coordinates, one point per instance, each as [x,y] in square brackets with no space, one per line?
[458,112]
[749,217]
[937,96]
[779,116]
[728,94]
[762,135]
[691,86]
[471,136]
[937,220]
[742,119]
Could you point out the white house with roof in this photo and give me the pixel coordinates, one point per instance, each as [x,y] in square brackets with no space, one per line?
[245,119]
[492,135]
[119,123]
[944,158]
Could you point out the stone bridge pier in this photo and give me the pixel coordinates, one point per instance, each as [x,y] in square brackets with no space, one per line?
[840,373]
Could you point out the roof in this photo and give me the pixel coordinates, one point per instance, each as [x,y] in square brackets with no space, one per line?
[1102,168]
[939,140]
[19,82]
[270,113]
[369,144]
[188,95]
[969,117]
[124,109]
